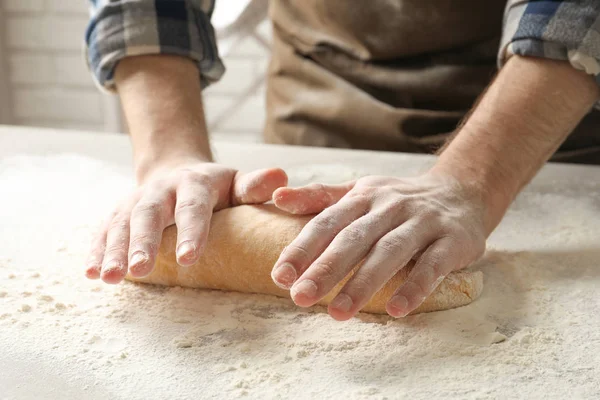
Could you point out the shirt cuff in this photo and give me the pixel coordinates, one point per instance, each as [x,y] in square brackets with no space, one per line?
[125,28]
[555,30]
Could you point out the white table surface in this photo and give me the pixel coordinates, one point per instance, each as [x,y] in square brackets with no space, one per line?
[23,377]
[116,148]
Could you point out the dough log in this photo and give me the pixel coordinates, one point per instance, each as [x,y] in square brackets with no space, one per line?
[243,245]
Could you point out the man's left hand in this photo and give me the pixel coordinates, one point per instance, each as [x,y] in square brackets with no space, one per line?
[384,222]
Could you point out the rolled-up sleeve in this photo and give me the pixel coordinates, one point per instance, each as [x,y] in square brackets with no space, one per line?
[122,28]
[561,30]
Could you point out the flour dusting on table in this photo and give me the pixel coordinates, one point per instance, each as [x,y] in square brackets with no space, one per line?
[533,333]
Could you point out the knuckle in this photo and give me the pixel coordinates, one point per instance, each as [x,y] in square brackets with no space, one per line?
[387,191]
[435,214]
[434,258]
[435,270]
[354,234]
[187,230]
[363,202]
[441,260]
[297,252]
[433,266]
[456,234]
[389,245]
[316,187]
[157,185]
[431,224]
[115,249]
[324,269]
[145,240]
[372,180]
[119,222]
[191,205]
[396,205]
[364,193]
[468,247]
[362,285]
[148,208]
[463,239]
[197,233]
[323,224]
[195,177]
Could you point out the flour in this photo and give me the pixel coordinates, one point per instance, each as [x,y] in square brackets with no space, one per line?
[532,334]
[325,173]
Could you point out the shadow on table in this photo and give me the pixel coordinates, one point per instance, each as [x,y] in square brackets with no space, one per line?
[516,287]
[523,291]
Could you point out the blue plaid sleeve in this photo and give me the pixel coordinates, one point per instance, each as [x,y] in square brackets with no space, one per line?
[121,28]
[562,30]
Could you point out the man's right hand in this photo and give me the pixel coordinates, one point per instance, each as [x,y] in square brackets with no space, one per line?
[177,180]
[187,195]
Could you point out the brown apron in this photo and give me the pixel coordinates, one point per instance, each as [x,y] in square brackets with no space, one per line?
[396,75]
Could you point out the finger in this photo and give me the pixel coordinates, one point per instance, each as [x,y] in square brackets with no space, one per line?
[435,264]
[193,212]
[150,216]
[388,256]
[257,187]
[97,248]
[114,264]
[346,250]
[313,240]
[310,199]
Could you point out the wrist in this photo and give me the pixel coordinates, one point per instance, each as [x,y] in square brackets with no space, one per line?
[156,149]
[522,119]
[484,187]
[153,160]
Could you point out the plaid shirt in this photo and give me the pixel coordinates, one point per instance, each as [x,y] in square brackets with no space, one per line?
[121,28]
[557,29]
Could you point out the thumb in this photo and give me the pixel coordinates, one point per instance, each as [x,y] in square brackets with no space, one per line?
[310,199]
[257,186]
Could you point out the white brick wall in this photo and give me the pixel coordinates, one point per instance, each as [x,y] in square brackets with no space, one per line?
[64,104]
[23,5]
[45,32]
[47,76]
[50,85]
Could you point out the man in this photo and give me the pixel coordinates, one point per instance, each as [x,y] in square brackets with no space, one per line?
[383,74]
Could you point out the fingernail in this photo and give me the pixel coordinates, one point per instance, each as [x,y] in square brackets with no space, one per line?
[398,304]
[284,275]
[139,257]
[92,268]
[186,251]
[306,288]
[92,271]
[112,272]
[342,302]
[137,263]
[110,266]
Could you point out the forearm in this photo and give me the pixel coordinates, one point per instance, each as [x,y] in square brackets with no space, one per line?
[162,102]
[531,107]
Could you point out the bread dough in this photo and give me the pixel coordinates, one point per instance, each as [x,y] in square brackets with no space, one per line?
[243,245]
